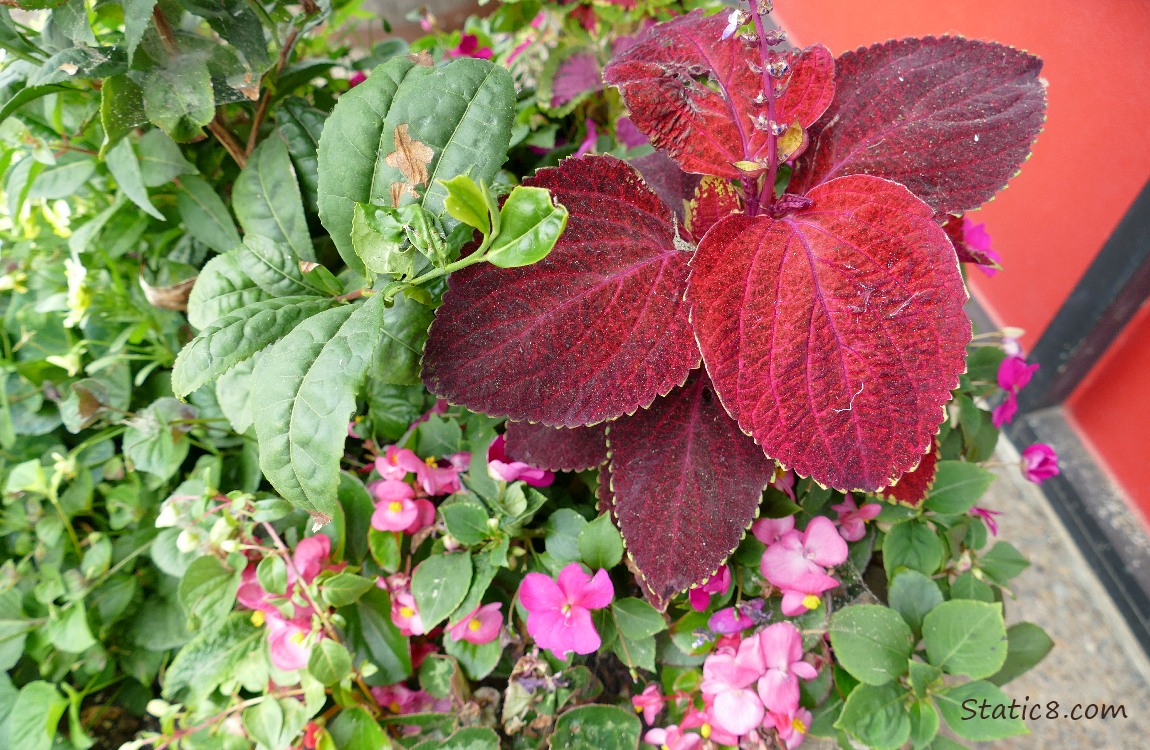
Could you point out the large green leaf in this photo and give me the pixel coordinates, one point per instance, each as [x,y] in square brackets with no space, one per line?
[179,98]
[871,642]
[595,727]
[32,723]
[401,348]
[304,393]
[456,119]
[267,200]
[301,125]
[966,637]
[273,267]
[221,288]
[205,215]
[236,337]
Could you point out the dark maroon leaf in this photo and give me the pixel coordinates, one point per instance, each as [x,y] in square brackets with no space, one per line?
[836,334]
[686,483]
[674,186]
[595,330]
[693,93]
[952,119]
[557,448]
[913,486]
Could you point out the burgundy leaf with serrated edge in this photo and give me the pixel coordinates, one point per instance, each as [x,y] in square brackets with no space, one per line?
[715,198]
[691,92]
[595,330]
[836,334]
[952,119]
[913,486]
[674,186]
[686,483]
[557,448]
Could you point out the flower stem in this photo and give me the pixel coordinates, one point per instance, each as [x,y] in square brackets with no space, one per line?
[767,194]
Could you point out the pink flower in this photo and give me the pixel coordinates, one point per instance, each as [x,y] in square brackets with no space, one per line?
[1039,463]
[498,467]
[778,649]
[1004,412]
[480,625]
[425,516]
[1013,375]
[404,614]
[649,703]
[469,47]
[770,530]
[251,594]
[726,679]
[797,561]
[672,738]
[977,241]
[439,407]
[852,519]
[289,644]
[395,508]
[559,613]
[443,480]
[399,699]
[700,597]
[355,79]
[705,721]
[987,515]
[589,141]
[397,463]
[309,557]
[791,726]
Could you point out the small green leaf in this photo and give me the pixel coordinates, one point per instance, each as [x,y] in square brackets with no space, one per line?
[208,591]
[876,716]
[267,200]
[967,586]
[137,20]
[563,529]
[529,226]
[600,544]
[911,544]
[469,738]
[161,160]
[957,487]
[354,729]
[264,722]
[274,267]
[272,574]
[205,217]
[69,631]
[979,711]
[594,727]
[384,548]
[179,97]
[329,662]
[636,618]
[466,521]
[922,677]
[468,203]
[871,642]
[1002,562]
[923,722]
[345,588]
[211,657]
[966,637]
[125,167]
[476,660]
[912,595]
[439,585]
[1026,645]
[380,242]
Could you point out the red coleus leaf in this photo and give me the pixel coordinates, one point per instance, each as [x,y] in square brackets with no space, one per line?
[595,330]
[557,448]
[674,186]
[913,486]
[952,119]
[692,93]
[834,335]
[686,483]
[714,199]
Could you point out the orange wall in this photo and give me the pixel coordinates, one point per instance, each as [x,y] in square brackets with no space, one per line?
[1088,165]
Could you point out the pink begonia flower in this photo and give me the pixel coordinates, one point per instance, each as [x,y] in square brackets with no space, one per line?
[852,519]
[559,612]
[289,642]
[672,738]
[770,530]
[251,594]
[498,467]
[425,516]
[784,482]
[404,614]
[469,47]
[727,680]
[443,480]
[311,733]
[395,508]
[987,515]
[649,703]
[397,463]
[778,649]
[729,620]
[480,625]
[309,557]
[399,699]
[791,726]
[798,561]
[588,144]
[704,720]
[700,597]
[1039,463]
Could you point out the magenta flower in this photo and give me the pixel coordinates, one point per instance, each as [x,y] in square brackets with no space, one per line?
[791,726]
[480,625]
[559,612]
[852,519]
[1039,463]
[356,78]
[395,508]
[425,516]
[778,649]
[443,480]
[799,561]
[727,680]
[404,614]
[251,594]
[649,703]
[588,144]
[1004,412]
[977,241]
[784,482]
[672,738]
[1013,375]
[289,641]
[770,530]
[498,467]
[987,515]
[397,463]
[729,620]
[700,597]
[469,47]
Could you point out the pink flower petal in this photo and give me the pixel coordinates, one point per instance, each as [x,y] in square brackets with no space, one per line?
[823,544]
[738,711]
[538,593]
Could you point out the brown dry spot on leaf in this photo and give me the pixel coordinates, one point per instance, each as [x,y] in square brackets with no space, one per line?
[250,88]
[422,58]
[307,265]
[411,158]
[168,297]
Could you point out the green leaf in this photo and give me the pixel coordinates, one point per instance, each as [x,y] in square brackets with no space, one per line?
[301,125]
[371,629]
[529,226]
[29,94]
[121,109]
[380,242]
[476,660]
[271,572]
[274,267]
[966,586]
[436,675]
[439,585]
[876,716]
[161,160]
[345,588]
[205,217]
[911,544]
[234,338]
[208,591]
[384,548]
[957,487]
[871,642]
[70,631]
[308,382]
[179,98]
[923,722]
[153,443]
[35,713]
[636,618]
[137,19]
[466,521]
[1026,645]
[923,676]
[405,324]
[594,727]
[354,729]
[912,595]
[125,167]
[600,544]
[962,708]
[64,178]
[469,738]
[329,662]
[211,658]
[264,722]
[563,529]
[233,392]
[467,202]
[966,637]
[267,200]
[1002,562]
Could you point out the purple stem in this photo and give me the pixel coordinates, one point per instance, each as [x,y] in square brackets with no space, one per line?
[767,196]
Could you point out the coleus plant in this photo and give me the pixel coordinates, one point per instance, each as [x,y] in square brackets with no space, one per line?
[826,312]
